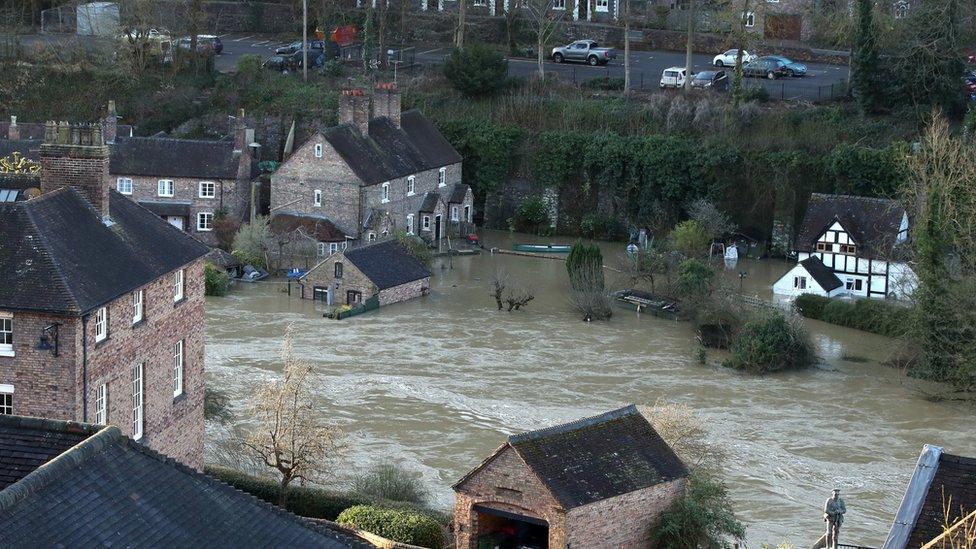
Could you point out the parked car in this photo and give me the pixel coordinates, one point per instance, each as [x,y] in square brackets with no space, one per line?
[297,46]
[586,51]
[711,80]
[969,84]
[728,58]
[764,68]
[792,67]
[205,42]
[674,77]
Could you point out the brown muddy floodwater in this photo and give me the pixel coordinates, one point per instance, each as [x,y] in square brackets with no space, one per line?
[436,384]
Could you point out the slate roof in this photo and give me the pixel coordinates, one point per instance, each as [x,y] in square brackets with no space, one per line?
[28,148]
[387,264]
[26,443]
[873,223]
[164,208]
[953,486]
[108,490]
[429,203]
[320,228]
[600,457]
[458,193]
[164,156]
[61,258]
[824,276]
[389,152]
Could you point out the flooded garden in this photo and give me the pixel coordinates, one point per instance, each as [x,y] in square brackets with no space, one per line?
[436,384]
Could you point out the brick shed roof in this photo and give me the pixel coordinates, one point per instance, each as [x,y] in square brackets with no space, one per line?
[107,490]
[61,257]
[169,157]
[599,457]
[387,264]
[873,223]
[389,152]
[941,482]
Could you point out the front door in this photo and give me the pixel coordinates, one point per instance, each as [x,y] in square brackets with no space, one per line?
[467,214]
[437,227]
[176,221]
[353,297]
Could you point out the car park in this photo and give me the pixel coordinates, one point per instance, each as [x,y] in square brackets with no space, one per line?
[297,46]
[791,67]
[711,80]
[729,58]
[586,51]
[205,42]
[764,68]
[674,77]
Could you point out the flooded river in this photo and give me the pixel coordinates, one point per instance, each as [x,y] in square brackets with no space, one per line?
[437,383]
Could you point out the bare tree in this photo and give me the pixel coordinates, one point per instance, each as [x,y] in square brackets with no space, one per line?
[626,47]
[512,24]
[545,20]
[510,294]
[715,222]
[686,432]
[290,436]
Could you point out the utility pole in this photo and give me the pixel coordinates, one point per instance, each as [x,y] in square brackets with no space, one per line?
[305,40]
[692,21]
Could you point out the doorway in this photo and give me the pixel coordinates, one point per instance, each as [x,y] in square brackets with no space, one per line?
[437,227]
[581,7]
[507,530]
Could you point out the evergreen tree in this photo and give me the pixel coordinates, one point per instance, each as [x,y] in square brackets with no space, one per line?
[865,80]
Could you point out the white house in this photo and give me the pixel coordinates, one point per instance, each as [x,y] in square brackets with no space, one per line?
[850,245]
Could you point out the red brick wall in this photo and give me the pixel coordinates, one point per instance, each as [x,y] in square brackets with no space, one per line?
[626,520]
[83,167]
[44,385]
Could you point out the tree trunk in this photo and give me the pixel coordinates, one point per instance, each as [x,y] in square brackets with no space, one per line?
[741,43]
[626,48]
[459,34]
[538,53]
[283,493]
[381,32]
[689,64]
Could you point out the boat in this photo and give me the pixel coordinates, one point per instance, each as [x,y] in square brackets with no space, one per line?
[645,302]
[543,248]
[253,275]
[295,273]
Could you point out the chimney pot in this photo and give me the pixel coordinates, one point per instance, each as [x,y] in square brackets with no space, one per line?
[75,155]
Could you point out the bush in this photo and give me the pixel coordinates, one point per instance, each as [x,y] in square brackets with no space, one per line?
[389,481]
[810,305]
[531,215]
[251,241]
[770,344]
[755,94]
[333,68]
[690,239]
[871,315]
[215,281]
[215,405]
[415,245]
[476,70]
[606,83]
[395,524]
[703,517]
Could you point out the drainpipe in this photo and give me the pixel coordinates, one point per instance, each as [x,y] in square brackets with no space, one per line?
[84,369]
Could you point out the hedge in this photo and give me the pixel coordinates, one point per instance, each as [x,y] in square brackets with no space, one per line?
[399,525]
[871,315]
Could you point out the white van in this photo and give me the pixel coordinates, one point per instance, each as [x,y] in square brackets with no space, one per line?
[674,77]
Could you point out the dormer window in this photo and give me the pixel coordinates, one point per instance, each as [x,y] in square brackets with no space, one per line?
[385,193]
[318,150]
[410,185]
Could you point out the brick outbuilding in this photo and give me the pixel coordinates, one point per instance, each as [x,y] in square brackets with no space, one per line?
[597,482]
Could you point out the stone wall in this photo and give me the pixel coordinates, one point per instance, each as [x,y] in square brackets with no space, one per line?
[403,292]
[503,202]
[658,39]
[626,520]
[323,275]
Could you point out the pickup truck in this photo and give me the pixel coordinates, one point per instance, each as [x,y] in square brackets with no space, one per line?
[586,51]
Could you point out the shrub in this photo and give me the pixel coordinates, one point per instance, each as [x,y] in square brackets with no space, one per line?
[810,305]
[703,517]
[694,281]
[770,344]
[606,83]
[395,524]
[690,239]
[389,481]
[476,70]
[215,404]
[333,68]
[531,215]
[215,281]
[251,241]
[755,94]
[585,268]
[415,245]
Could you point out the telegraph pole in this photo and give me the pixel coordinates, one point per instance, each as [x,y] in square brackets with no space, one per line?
[305,40]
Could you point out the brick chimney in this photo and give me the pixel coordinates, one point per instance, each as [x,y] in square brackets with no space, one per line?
[75,155]
[110,124]
[13,130]
[354,109]
[242,139]
[386,102]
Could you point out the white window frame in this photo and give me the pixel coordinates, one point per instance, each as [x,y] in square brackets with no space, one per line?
[469,213]
[101,324]
[333,247]
[179,356]
[385,192]
[6,399]
[442,177]
[124,185]
[320,249]
[101,404]
[317,198]
[559,4]
[318,150]
[205,222]
[212,186]
[371,237]
[165,187]
[455,212]
[409,223]
[602,6]
[138,305]
[138,403]
[425,223]
[411,185]
[7,328]
[179,285]
[750,19]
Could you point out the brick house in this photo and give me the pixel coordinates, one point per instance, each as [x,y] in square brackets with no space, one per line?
[185,181]
[380,170]
[384,269]
[597,482]
[102,309]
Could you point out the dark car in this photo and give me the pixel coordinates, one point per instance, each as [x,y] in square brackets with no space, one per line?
[293,62]
[765,68]
[792,67]
[205,42]
[297,46]
[711,80]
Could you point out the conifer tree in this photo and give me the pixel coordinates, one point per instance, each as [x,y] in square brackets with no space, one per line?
[865,79]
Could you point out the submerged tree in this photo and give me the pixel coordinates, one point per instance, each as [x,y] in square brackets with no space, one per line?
[585,267]
[508,293]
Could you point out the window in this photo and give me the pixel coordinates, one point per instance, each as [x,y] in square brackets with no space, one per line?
[425,223]
[385,192]
[205,221]
[822,246]
[137,408]
[7,401]
[559,4]
[410,185]
[338,270]
[855,284]
[455,215]
[178,285]
[442,177]
[208,189]
[409,223]
[371,237]
[101,404]
[318,150]
[320,249]
[138,298]
[602,5]
[124,185]
[178,369]
[900,9]
[6,334]
[467,214]
[480,3]
[333,247]
[750,19]
[165,187]
[849,249]
[317,198]
[101,324]
[800,282]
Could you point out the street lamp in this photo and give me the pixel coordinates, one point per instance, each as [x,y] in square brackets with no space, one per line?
[49,339]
